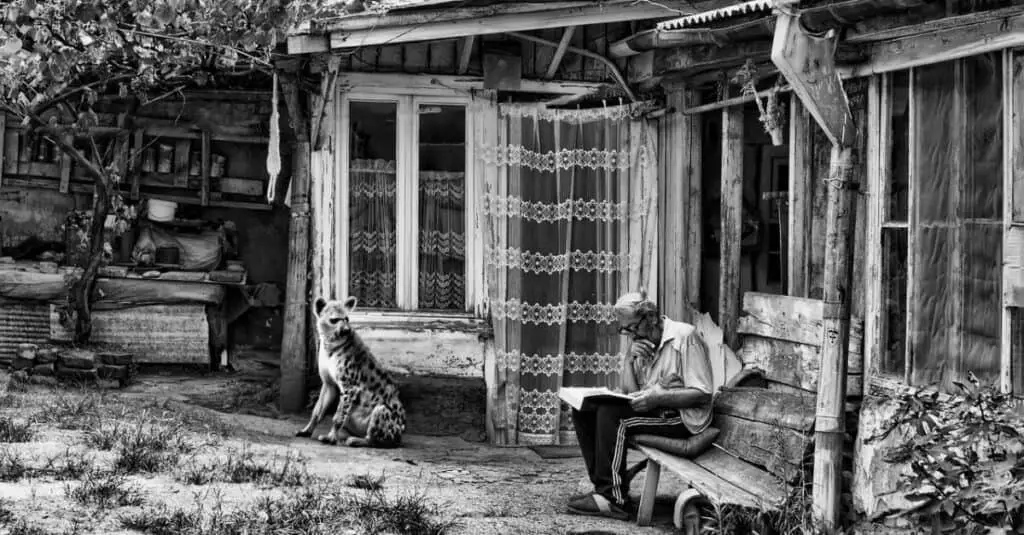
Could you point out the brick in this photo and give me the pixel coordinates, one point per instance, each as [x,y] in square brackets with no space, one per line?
[47,356]
[109,371]
[64,372]
[108,384]
[28,351]
[115,359]
[78,359]
[20,363]
[43,369]
[47,380]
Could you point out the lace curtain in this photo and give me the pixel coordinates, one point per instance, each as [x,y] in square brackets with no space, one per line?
[372,236]
[569,226]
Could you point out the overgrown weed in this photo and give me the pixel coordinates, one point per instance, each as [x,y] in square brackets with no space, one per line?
[12,430]
[243,466]
[105,490]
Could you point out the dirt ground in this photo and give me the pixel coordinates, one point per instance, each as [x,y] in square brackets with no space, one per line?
[483,489]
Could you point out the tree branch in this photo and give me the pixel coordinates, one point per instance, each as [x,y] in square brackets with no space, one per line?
[199,43]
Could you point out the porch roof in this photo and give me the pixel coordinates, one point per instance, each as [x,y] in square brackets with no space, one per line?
[399,21]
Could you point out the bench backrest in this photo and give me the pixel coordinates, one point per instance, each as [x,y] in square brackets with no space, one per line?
[771,423]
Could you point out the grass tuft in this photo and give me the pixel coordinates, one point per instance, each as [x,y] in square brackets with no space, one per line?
[104,490]
[12,430]
[245,467]
[149,447]
[365,482]
[12,465]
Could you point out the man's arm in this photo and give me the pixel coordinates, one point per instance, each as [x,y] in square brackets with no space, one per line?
[659,397]
[627,377]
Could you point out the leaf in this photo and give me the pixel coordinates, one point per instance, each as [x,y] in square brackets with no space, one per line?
[10,47]
[164,14]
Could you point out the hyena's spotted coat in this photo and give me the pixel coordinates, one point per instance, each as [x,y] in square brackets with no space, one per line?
[369,411]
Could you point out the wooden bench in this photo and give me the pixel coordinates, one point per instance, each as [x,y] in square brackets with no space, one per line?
[764,414]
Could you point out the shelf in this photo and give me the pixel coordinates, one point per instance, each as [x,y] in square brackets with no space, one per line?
[213,203]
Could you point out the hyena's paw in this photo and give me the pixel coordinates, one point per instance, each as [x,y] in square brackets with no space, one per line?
[327,439]
[356,442]
[303,433]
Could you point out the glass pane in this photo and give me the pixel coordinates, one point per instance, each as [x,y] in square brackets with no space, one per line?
[983,182]
[1017,351]
[894,302]
[442,197]
[938,143]
[899,161]
[372,187]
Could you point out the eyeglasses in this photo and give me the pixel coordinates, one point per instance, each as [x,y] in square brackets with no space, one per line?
[630,328]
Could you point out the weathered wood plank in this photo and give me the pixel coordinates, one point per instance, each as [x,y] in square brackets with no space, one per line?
[1013,268]
[732,220]
[801,358]
[794,319]
[800,176]
[779,450]
[11,139]
[442,56]
[700,478]
[792,411]
[769,489]
[65,168]
[559,53]
[791,363]
[465,53]
[3,138]
[414,57]
[1017,139]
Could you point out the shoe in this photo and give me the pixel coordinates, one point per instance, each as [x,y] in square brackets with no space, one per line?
[596,505]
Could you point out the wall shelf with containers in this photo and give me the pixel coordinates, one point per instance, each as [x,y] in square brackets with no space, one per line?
[174,163]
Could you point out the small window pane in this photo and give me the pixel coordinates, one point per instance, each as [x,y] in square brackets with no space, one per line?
[894,302]
[372,189]
[899,161]
[442,216]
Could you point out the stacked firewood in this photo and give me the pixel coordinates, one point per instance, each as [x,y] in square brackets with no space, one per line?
[49,365]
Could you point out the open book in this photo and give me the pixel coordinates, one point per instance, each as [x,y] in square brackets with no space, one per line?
[582,398]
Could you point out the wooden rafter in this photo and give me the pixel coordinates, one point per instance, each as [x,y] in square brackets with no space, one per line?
[431,25]
[563,45]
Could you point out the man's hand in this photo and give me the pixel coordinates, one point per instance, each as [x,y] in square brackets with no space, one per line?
[649,399]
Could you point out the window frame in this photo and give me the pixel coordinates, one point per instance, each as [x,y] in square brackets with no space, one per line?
[879,182]
[407,207]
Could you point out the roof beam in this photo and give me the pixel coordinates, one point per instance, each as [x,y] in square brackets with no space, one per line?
[943,41]
[556,60]
[499,19]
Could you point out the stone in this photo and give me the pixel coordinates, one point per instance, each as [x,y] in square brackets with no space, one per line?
[110,371]
[46,380]
[114,359]
[20,376]
[47,355]
[19,363]
[64,372]
[78,359]
[108,384]
[28,351]
[43,369]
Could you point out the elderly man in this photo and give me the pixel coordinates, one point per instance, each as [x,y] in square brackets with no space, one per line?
[668,370]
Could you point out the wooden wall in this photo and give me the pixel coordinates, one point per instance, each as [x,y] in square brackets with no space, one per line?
[442,57]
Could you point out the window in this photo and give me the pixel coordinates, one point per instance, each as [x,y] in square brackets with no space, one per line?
[942,222]
[404,216]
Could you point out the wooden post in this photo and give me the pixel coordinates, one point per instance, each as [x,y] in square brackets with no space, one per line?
[808,63]
[732,221]
[829,428]
[293,343]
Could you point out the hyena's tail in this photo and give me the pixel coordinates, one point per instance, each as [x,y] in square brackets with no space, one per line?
[384,429]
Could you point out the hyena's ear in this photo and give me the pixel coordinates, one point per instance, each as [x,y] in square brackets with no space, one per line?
[350,303]
[318,306]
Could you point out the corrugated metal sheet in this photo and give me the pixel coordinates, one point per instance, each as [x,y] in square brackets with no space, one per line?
[157,334]
[22,324]
[755,6]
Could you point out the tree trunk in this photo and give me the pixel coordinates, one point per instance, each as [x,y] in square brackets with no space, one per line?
[82,290]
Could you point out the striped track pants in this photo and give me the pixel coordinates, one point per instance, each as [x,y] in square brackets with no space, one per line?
[602,435]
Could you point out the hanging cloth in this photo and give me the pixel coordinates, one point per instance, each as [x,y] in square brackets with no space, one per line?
[273,146]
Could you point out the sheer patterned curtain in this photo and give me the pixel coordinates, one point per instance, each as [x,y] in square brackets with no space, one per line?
[372,233]
[568,228]
[442,240]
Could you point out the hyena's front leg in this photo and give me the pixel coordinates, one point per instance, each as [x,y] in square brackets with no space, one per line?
[328,393]
[345,402]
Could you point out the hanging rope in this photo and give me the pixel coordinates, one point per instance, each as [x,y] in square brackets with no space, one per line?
[273,146]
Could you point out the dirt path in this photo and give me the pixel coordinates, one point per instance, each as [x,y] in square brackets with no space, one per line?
[484,489]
